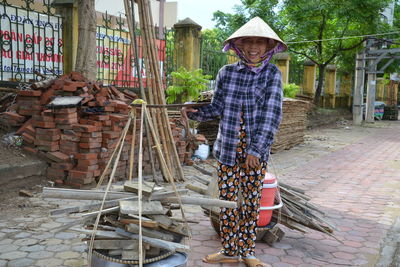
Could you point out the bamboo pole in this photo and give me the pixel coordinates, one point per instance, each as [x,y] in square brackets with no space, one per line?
[152,85]
[131,24]
[151,46]
[119,148]
[140,181]
[171,143]
[170,178]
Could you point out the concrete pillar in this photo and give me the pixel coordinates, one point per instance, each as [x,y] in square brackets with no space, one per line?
[187,44]
[330,86]
[309,77]
[69,11]
[380,89]
[358,99]
[282,61]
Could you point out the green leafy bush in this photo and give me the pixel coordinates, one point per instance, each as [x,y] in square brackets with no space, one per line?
[187,85]
[290,90]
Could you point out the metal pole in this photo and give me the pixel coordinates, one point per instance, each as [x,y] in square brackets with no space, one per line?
[358,89]
[371,91]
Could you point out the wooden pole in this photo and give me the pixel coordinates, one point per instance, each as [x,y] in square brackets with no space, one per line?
[130,11]
[162,119]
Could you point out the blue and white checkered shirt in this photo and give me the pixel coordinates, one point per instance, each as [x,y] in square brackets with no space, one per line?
[258,95]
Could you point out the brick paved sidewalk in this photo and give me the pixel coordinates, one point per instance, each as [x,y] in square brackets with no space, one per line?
[353,175]
[358,186]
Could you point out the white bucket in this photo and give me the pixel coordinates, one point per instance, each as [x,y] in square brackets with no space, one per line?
[203,151]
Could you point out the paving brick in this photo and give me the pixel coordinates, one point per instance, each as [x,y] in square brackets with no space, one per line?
[92,134]
[56,173]
[90,122]
[89,145]
[87,156]
[30,93]
[64,111]
[58,156]
[85,128]
[62,165]
[39,142]
[48,131]
[47,137]
[43,124]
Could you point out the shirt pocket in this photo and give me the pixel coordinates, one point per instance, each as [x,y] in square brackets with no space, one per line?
[259,95]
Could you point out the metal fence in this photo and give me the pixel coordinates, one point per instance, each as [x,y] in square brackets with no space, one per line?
[212,58]
[30,42]
[115,58]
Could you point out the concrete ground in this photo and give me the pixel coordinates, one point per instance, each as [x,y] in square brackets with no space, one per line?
[351,173]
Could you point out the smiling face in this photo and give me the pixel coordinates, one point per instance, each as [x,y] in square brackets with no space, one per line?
[254,47]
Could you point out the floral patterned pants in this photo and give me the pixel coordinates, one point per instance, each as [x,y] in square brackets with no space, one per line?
[238,225]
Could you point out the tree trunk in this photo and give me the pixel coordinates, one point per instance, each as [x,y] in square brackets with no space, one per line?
[86,53]
[321,76]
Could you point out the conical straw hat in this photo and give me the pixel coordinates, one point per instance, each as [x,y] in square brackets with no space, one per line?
[256,27]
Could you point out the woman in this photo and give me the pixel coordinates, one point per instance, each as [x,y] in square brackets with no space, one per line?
[248,100]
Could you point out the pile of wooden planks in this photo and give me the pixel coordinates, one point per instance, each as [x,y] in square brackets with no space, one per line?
[117,233]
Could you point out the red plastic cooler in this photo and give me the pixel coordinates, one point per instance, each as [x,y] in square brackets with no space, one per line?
[268,193]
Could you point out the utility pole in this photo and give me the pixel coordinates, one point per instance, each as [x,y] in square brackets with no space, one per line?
[358,89]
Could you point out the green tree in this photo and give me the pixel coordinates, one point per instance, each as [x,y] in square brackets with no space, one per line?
[229,23]
[318,20]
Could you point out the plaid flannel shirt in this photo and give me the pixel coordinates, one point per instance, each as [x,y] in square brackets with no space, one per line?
[258,95]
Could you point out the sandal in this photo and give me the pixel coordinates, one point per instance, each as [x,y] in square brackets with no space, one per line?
[254,262]
[219,257]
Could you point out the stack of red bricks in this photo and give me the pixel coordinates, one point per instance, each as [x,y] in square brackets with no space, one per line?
[78,141]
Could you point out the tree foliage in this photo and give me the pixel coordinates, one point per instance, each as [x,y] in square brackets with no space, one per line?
[229,23]
[187,85]
[314,21]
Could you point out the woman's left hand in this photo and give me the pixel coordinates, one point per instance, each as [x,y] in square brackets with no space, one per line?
[251,161]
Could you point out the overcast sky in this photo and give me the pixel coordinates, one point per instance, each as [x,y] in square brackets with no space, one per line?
[200,11]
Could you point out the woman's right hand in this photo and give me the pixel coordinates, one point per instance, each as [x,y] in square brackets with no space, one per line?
[184,112]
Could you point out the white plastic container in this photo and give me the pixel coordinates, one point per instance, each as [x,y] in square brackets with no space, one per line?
[203,151]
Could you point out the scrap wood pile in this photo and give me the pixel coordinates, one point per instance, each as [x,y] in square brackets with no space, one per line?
[117,233]
[297,213]
[291,130]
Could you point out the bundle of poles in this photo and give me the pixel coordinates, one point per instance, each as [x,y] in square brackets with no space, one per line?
[155,89]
